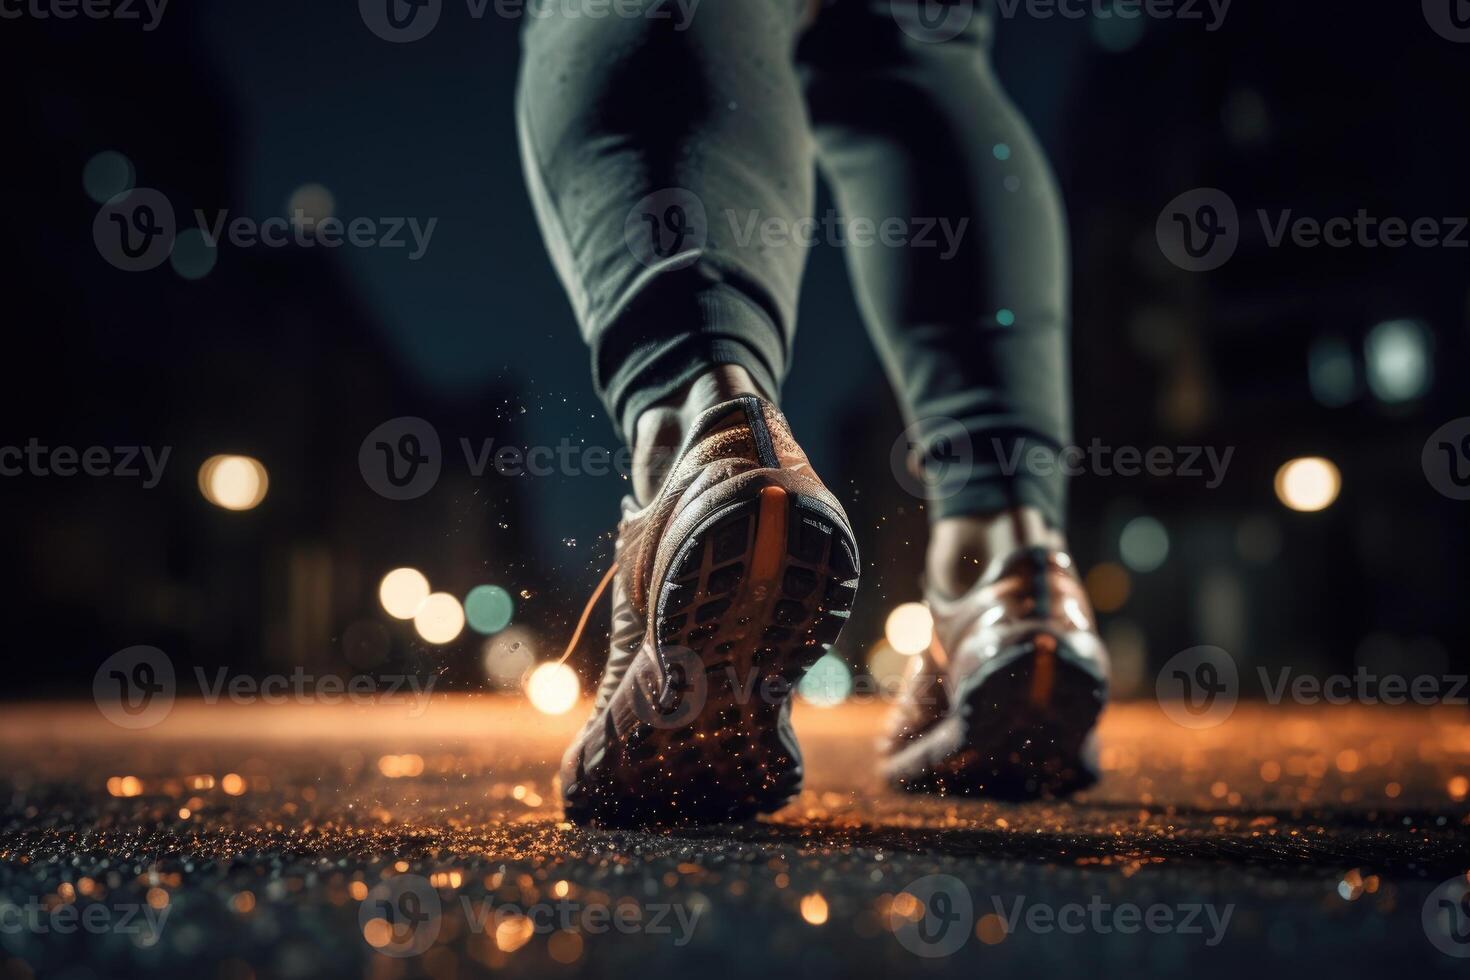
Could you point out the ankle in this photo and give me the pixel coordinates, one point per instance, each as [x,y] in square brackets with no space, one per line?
[661,428]
[963,549]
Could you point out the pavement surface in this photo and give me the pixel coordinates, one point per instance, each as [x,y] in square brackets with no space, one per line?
[240,841]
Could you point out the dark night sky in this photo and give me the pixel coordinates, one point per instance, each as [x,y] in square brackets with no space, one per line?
[427,129]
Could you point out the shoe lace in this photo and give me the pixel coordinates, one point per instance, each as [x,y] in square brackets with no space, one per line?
[587,612]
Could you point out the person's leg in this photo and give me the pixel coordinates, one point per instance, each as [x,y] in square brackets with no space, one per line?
[641,138]
[653,150]
[970,317]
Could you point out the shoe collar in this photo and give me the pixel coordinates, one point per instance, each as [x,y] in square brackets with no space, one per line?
[742,410]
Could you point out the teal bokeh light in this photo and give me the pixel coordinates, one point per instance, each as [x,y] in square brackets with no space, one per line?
[828,683]
[488,609]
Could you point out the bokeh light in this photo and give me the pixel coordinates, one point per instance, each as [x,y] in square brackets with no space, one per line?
[1128,649]
[440,619]
[888,667]
[193,257]
[402,592]
[309,204]
[233,482]
[1108,586]
[909,628]
[565,946]
[508,656]
[553,688]
[1332,372]
[827,683]
[488,608]
[1397,355]
[1308,483]
[1144,544]
[1258,539]
[107,175]
[513,932]
[1117,34]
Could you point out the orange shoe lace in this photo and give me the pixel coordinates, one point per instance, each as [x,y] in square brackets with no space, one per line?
[587,612]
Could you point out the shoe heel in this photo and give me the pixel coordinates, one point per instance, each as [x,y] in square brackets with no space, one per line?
[754,597]
[1020,728]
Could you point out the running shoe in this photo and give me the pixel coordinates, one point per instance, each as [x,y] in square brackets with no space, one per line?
[725,590]
[1005,700]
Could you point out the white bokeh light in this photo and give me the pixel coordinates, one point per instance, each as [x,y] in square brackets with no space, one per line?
[402,592]
[440,619]
[909,628]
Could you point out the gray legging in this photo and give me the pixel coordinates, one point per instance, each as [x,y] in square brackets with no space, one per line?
[670,160]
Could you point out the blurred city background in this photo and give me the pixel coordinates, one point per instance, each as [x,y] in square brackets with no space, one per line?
[262,370]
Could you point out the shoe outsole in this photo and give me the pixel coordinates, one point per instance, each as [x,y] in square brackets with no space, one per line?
[751,601]
[1021,729]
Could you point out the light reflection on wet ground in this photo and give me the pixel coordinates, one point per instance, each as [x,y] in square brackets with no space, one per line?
[261,832]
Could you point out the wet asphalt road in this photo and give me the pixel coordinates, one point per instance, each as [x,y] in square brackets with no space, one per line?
[312,841]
